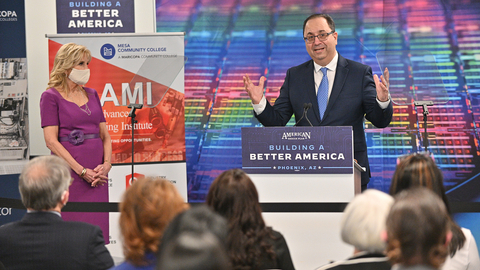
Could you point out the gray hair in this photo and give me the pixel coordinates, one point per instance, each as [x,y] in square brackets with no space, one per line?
[364,219]
[43,182]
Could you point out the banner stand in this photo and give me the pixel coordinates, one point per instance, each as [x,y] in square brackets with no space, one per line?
[144,69]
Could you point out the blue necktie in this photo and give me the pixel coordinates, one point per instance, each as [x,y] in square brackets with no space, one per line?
[322,93]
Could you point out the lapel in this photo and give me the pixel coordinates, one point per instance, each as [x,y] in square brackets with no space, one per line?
[339,81]
[311,91]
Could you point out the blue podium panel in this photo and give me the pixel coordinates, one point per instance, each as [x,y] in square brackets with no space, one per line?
[304,150]
[300,164]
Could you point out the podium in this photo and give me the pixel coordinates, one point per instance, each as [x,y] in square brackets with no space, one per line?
[301,164]
[295,170]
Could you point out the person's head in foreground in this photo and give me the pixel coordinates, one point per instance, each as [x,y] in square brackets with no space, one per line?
[419,170]
[194,250]
[44,183]
[197,219]
[363,221]
[147,207]
[234,196]
[418,229]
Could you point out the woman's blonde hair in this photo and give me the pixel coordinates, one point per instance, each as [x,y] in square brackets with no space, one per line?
[68,56]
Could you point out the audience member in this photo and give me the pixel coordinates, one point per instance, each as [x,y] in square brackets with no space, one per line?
[250,243]
[417,231]
[197,225]
[362,224]
[147,207]
[42,240]
[420,170]
[194,250]
[196,219]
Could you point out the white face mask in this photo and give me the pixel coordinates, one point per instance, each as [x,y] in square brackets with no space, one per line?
[79,76]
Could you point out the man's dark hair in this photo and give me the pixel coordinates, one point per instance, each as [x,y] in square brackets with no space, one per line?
[417,228]
[196,219]
[327,17]
[194,250]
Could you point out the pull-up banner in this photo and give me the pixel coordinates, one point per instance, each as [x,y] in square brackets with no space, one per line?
[14,132]
[143,69]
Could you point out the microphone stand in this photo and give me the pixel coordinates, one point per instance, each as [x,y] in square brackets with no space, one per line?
[306,106]
[132,114]
[425,105]
[309,105]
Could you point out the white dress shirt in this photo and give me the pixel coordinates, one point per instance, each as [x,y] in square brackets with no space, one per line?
[465,258]
[318,76]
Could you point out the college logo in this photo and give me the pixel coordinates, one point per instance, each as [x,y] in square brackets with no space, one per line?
[8,15]
[129,179]
[107,51]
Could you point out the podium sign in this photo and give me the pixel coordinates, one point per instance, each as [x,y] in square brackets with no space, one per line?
[305,150]
[301,164]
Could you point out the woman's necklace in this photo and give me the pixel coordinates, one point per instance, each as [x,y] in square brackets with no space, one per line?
[86,110]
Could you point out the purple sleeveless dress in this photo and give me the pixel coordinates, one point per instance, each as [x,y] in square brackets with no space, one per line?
[56,111]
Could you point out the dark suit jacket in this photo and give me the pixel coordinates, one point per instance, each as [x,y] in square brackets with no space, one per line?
[42,240]
[363,261]
[283,259]
[415,267]
[353,98]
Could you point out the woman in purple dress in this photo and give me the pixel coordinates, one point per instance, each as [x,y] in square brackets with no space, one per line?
[75,130]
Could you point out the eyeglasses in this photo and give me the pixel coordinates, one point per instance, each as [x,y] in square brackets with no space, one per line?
[323,36]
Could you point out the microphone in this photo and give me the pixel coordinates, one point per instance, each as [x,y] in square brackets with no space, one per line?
[306,106]
[309,105]
[133,107]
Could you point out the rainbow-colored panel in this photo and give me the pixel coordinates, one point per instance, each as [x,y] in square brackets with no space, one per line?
[226,39]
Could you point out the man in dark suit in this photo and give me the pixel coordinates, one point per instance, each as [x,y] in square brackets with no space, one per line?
[342,92]
[42,240]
